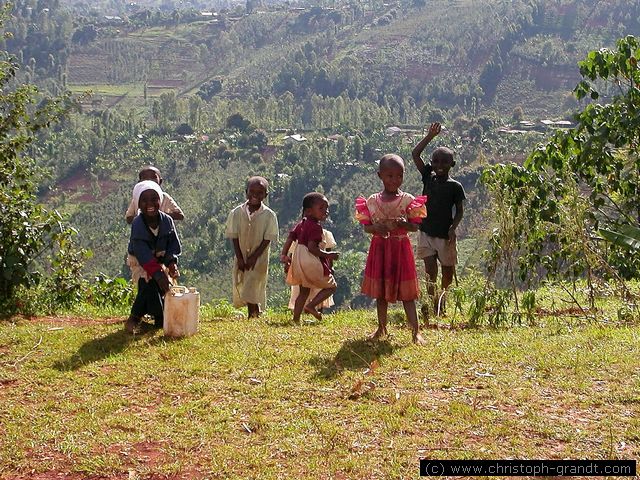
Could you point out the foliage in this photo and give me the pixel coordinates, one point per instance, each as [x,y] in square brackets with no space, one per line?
[84,35]
[628,236]
[209,89]
[583,179]
[27,229]
[339,74]
[65,284]
[110,292]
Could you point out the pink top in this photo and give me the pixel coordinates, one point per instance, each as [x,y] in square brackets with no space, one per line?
[375,210]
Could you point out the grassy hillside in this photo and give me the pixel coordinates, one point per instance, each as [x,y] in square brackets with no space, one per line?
[82,398]
[411,48]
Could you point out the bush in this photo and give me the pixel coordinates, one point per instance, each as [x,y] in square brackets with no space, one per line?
[27,229]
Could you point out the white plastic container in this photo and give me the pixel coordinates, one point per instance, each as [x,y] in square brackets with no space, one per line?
[181,311]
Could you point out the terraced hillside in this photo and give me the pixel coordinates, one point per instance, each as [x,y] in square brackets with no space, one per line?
[445,52]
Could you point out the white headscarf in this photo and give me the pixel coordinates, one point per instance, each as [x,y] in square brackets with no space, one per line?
[142,187]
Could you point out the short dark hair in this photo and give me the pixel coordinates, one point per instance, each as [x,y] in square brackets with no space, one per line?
[258,179]
[311,198]
[390,159]
[148,168]
[443,154]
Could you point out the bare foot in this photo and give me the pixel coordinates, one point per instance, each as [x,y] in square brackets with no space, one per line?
[314,312]
[377,335]
[419,339]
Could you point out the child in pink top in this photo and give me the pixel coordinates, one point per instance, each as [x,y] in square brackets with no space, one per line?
[390,273]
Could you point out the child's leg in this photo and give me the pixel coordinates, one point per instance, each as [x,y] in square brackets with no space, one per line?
[431,268]
[447,279]
[253,310]
[320,297]
[300,303]
[148,301]
[381,307]
[412,318]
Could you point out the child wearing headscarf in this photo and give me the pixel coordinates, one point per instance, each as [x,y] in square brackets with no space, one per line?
[153,250]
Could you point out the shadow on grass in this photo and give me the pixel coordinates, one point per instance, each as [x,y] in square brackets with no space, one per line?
[100,348]
[355,354]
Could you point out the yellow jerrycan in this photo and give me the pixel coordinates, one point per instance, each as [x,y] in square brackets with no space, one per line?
[181,311]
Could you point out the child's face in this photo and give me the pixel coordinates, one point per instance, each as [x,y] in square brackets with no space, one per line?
[392,177]
[441,166]
[319,210]
[149,203]
[256,193]
[152,174]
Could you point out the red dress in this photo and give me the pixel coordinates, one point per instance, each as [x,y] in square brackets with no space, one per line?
[390,273]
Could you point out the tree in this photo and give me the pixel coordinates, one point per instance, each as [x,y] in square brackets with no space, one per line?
[209,89]
[84,35]
[584,179]
[26,227]
[238,122]
[184,129]
[518,114]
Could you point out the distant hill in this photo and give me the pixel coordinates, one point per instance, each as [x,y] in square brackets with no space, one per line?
[241,79]
[444,53]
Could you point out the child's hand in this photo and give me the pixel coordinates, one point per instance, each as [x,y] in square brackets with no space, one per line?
[173,270]
[382,227]
[434,130]
[163,281]
[332,256]
[250,262]
[241,265]
[402,223]
[286,262]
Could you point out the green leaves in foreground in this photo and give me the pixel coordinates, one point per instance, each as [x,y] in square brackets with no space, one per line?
[27,229]
[583,181]
[628,237]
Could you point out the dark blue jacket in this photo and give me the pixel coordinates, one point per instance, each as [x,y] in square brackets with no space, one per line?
[151,250]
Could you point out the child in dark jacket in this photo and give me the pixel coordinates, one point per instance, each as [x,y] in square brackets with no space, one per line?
[154,248]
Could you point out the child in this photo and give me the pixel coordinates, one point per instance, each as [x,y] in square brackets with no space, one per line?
[252,227]
[154,248]
[437,241]
[168,205]
[309,266]
[328,243]
[390,273]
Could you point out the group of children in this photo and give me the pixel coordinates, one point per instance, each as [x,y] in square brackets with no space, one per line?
[388,216]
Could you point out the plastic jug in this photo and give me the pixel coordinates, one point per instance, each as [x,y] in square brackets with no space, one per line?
[181,311]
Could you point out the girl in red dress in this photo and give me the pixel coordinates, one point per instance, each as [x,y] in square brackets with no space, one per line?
[390,274]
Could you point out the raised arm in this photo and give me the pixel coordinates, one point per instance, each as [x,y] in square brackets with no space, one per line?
[434,130]
[132,211]
[172,208]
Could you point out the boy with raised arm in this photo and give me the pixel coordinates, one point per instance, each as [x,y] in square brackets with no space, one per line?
[437,240]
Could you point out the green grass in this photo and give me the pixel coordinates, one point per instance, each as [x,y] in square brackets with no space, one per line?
[267,399]
[129,89]
[106,89]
